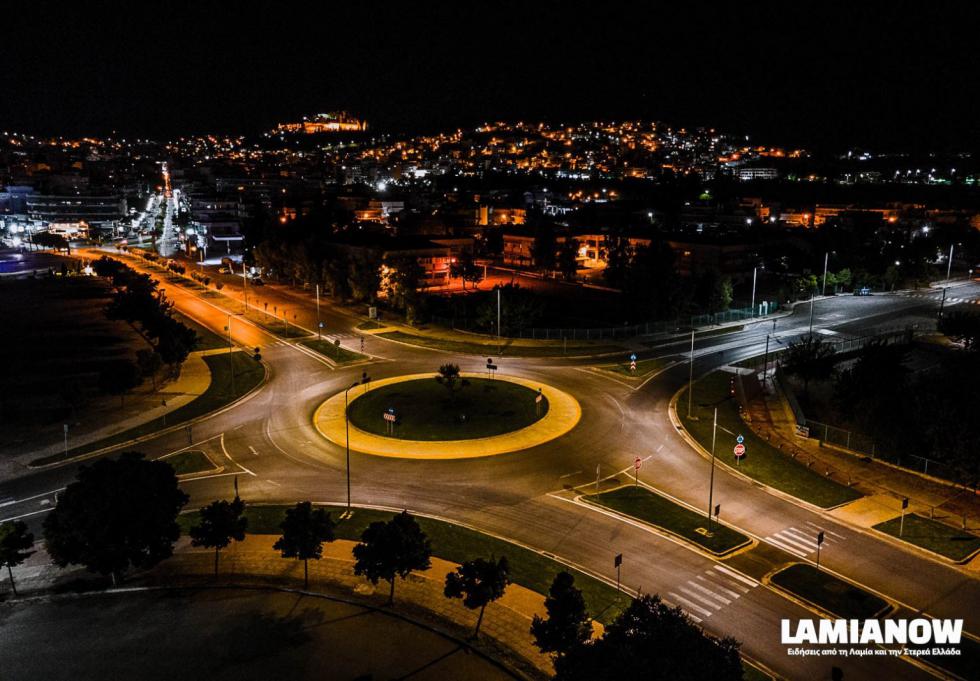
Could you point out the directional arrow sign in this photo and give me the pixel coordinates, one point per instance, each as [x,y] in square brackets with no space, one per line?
[740,439]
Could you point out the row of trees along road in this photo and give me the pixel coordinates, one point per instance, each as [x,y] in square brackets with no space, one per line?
[137,301]
[122,513]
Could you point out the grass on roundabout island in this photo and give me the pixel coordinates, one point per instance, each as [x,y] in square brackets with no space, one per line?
[189,461]
[657,510]
[457,544]
[829,593]
[425,411]
[762,461]
[932,535]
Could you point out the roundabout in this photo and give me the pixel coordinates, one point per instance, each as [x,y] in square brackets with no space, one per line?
[415,417]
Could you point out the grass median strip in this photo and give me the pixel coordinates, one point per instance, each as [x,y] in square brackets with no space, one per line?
[190,461]
[232,376]
[457,544]
[657,510]
[762,461]
[507,348]
[932,535]
[829,593]
[333,351]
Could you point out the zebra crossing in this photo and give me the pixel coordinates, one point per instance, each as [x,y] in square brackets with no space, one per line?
[802,542]
[950,300]
[710,591]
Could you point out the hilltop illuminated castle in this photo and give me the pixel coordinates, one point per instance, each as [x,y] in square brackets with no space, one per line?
[335,121]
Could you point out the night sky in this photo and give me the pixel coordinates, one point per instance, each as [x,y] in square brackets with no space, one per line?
[823,75]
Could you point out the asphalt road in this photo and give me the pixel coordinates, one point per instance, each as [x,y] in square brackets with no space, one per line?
[525,496]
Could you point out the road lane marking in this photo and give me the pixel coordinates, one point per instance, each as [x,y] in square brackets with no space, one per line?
[709,593]
[13,501]
[731,594]
[273,482]
[831,532]
[252,449]
[784,547]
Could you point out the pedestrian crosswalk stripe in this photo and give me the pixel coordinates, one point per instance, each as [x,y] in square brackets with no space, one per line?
[731,593]
[786,547]
[821,529]
[688,604]
[710,594]
[735,575]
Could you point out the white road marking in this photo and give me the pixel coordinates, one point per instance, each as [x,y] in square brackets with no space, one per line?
[273,482]
[710,594]
[830,532]
[734,575]
[688,604]
[784,547]
[732,594]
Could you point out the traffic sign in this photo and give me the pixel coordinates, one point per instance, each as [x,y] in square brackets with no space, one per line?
[632,356]
[740,439]
[739,450]
[489,361]
[637,462]
[390,415]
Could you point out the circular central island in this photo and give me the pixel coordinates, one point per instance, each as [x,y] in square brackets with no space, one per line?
[417,416]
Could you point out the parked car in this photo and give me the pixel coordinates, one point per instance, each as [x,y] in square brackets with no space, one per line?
[863,291]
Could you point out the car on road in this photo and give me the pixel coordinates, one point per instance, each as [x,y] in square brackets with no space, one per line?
[863,291]
[256,281]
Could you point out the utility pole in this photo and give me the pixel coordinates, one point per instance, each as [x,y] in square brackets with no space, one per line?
[823,289]
[711,484]
[231,360]
[754,270]
[690,377]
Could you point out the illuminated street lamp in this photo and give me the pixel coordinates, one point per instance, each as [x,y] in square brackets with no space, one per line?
[364,379]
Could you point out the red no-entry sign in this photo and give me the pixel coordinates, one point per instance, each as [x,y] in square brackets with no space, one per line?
[637,462]
[740,450]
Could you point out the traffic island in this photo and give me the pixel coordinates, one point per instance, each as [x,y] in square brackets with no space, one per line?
[932,535]
[416,417]
[233,375]
[190,462]
[827,593]
[761,461]
[654,509]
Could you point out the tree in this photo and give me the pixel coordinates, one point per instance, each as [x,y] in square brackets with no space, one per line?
[450,378]
[401,284]
[478,582]
[842,279]
[16,545]
[619,256]
[810,359]
[392,549]
[466,269]
[653,642]
[806,285]
[304,530]
[119,377]
[149,363]
[568,259]
[568,622]
[962,326]
[118,513]
[364,277]
[543,248]
[221,522]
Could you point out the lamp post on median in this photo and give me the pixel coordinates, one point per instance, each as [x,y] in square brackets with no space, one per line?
[364,379]
[711,484]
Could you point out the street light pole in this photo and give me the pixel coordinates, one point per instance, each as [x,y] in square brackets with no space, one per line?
[245,285]
[823,289]
[318,311]
[765,361]
[231,360]
[711,484]
[347,440]
[811,313]
[754,270]
[690,377]
[949,265]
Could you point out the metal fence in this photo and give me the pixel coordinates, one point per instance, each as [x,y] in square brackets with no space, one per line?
[618,332]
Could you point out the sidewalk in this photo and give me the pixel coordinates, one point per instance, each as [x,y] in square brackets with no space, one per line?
[507,621]
[769,415]
[137,409]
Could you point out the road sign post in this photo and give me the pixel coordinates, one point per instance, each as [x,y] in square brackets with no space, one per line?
[66,440]
[637,462]
[901,524]
[390,417]
[633,362]
[739,452]
[537,402]
[618,563]
[819,544]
